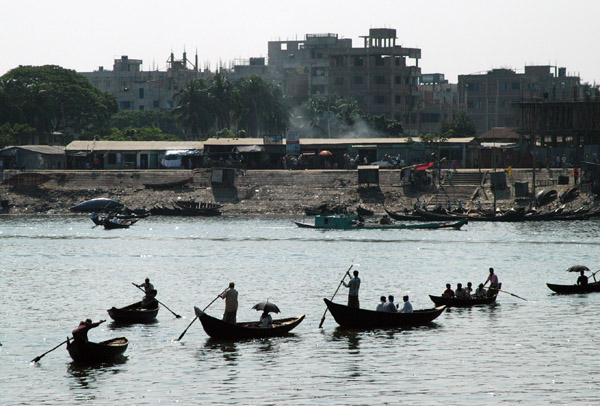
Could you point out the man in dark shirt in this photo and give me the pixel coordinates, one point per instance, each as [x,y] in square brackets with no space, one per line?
[582,280]
[80,333]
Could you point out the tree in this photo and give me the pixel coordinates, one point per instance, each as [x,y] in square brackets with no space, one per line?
[462,126]
[139,134]
[196,110]
[331,114]
[50,98]
[260,107]
[161,119]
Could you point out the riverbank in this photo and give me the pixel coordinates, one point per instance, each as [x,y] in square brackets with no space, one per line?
[260,193]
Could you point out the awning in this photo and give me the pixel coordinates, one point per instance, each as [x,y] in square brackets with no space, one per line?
[183,152]
[422,167]
[250,148]
[364,146]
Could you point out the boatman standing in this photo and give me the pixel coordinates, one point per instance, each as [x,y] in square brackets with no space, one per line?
[231,303]
[80,333]
[148,300]
[494,285]
[354,285]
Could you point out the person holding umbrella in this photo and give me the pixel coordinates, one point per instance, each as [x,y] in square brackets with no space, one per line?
[353,285]
[265,318]
[582,280]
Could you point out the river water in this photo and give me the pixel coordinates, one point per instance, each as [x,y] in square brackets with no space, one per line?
[56,271]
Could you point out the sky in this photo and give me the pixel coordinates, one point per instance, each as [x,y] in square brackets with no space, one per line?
[455,37]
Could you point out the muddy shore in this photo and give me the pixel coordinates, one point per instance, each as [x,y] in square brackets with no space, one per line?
[254,193]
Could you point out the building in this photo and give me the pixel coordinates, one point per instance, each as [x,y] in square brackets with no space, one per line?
[438,101]
[254,66]
[381,76]
[487,97]
[136,89]
[33,157]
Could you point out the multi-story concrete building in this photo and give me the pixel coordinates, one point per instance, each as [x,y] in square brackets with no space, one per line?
[381,76]
[487,97]
[145,90]
[438,101]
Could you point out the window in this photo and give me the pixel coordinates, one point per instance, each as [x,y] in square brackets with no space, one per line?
[398,99]
[141,93]
[516,86]
[470,104]
[358,80]
[141,107]
[155,104]
[358,61]
[478,104]
[125,105]
[339,81]
[505,104]
[112,159]
[284,46]
[398,80]
[504,86]
[379,61]
[379,99]
[338,60]
[380,80]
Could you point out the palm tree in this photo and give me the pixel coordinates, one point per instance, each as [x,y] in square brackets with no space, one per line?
[195,110]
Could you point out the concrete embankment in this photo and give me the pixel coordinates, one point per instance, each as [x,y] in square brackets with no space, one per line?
[259,192]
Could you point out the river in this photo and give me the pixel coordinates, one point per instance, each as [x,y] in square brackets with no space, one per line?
[56,271]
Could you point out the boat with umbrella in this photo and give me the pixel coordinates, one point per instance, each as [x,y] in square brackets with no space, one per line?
[577,288]
[220,329]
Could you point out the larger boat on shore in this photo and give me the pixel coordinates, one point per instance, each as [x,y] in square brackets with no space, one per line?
[351,222]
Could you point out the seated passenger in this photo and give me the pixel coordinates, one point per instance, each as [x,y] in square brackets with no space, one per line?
[266,320]
[480,291]
[448,292]
[391,306]
[469,288]
[460,292]
[385,220]
[582,280]
[407,308]
[381,305]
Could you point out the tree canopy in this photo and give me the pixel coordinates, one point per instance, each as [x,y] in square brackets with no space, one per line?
[462,126]
[50,98]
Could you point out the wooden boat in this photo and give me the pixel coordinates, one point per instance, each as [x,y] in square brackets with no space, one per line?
[402,217]
[434,216]
[220,329]
[134,313]
[364,212]
[459,302]
[360,318]
[511,215]
[573,289]
[350,222]
[112,223]
[323,210]
[545,196]
[170,185]
[90,352]
[179,211]
[191,204]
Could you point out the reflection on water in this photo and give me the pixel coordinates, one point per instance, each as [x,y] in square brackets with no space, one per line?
[89,377]
[228,348]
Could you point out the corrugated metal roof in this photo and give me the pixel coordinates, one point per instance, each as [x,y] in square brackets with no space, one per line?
[41,149]
[327,141]
[133,145]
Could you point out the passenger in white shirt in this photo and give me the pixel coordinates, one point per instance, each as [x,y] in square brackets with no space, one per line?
[381,306]
[407,308]
[266,320]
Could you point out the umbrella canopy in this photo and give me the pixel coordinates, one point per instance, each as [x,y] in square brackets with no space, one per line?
[266,307]
[325,153]
[99,204]
[578,268]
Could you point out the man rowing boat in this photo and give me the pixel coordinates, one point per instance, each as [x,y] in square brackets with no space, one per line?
[494,284]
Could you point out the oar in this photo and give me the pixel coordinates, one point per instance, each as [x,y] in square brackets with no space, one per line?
[189,325]
[36,359]
[512,294]
[175,314]
[334,293]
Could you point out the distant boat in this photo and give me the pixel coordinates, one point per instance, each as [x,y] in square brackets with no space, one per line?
[350,222]
[574,289]
[134,313]
[170,185]
[460,302]
[99,204]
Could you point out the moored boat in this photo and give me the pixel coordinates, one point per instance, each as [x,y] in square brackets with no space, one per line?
[361,318]
[460,302]
[574,289]
[97,352]
[169,185]
[350,222]
[220,329]
[402,217]
[134,313]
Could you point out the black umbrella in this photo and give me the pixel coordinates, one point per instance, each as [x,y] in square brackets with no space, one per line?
[266,307]
[578,268]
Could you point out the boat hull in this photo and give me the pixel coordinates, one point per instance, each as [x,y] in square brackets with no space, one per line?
[133,313]
[104,351]
[456,302]
[574,289]
[222,330]
[360,318]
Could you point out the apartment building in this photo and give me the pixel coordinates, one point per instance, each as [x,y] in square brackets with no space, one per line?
[439,101]
[487,97]
[136,89]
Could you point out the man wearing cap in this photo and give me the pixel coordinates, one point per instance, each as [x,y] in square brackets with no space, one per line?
[231,303]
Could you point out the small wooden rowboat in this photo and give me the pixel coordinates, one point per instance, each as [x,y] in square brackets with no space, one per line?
[459,302]
[360,318]
[220,329]
[134,313]
[113,223]
[350,222]
[573,289]
[90,352]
